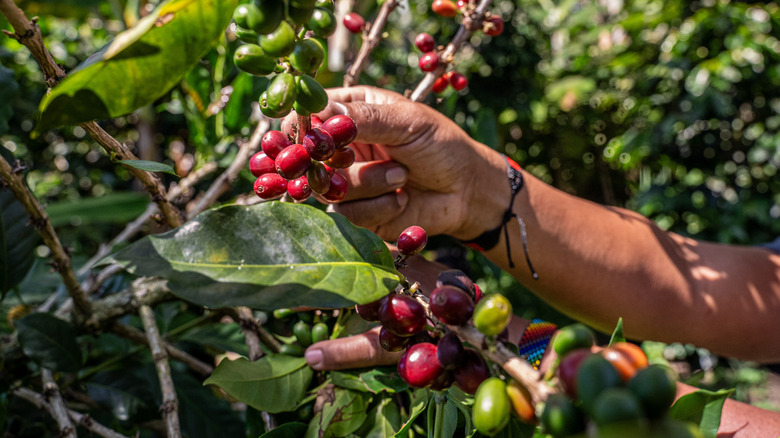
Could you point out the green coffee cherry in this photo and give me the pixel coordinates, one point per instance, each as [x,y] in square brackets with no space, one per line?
[311,97]
[492,314]
[319,332]
[247,35]
[326,4]
[280,42]
[595,375]
[283,313]
[322,22]
[492,407]
[242,15]
[572,337]
[561,418]
[251,59]
[616,405]
[302,333]
[270,15]
[307,56]
[655,387]
[292,350]
[278,99]
[300,11]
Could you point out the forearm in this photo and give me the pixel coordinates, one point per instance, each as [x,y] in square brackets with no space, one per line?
[597,264]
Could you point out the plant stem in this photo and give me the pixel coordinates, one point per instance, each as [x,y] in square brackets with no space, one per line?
[370,42]
[57,406]
[438,423]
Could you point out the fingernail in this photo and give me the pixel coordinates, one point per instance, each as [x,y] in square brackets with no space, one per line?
[396,176]
[314,358]
[340,108]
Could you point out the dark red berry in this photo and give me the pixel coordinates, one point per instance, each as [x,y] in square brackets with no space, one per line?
[412,240]
[425,42]
[472,371]
[342,128]
[451,305]
[444,381]
[402,315]
[274,142]
[392,342]
[462,4]
[260,164]
[418,366]
[354,22]
[342,158]
[458,81]
[493,26]
[338,188]
[568,367]
[299,188]
[316,122]
[440,84]
[319,144]
[459,279]
[370,311]
[270,186]
[429,61]
[450,353]
[318,177]
[293,161]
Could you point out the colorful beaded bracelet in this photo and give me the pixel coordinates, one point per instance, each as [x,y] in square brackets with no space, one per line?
[535,340]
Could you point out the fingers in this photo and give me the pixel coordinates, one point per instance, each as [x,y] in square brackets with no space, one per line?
[374,212]
[356,351]
[373,178]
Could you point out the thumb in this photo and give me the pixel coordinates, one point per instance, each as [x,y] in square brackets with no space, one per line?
[356,351]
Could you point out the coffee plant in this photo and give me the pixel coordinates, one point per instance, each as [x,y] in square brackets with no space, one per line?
[192,317]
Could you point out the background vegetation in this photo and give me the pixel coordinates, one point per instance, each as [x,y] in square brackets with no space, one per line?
[667,107]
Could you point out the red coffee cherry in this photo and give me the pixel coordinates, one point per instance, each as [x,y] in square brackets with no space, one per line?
[451,352]
[319,144]
[567,370]
[341,128]
[318,177]
[392,342]
[270,186]
[338,188]
[451,305]
[354,22]
[370,311]
[458,81]
[260,164]
[440,84]
[445,8]
[471,372]
[316,122]
[293,161]
[402,315]
[412,240]
[418,365]
[429,61]
[425,42]
[493,26]
[274,142]
[342,158]
[299,188]
[459,279]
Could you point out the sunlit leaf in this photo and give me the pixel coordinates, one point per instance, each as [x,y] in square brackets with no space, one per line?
[150,166]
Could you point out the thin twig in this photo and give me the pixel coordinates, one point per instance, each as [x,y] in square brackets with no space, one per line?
[169,407]
[250,333]
[370,41]
[471,22]
[82,420]
[51,392]
[12,177]
[249,322]
[138,337]
[29,34]
[223,183]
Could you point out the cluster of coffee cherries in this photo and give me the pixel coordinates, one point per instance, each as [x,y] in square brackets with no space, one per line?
[284,37]
[306,328]
[613,389]
[302,168]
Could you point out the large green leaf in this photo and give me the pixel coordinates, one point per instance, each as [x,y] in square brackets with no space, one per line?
[113,207]
[374,381]
[49,341]
[343,412]
[702,407]
[274,383]
[140,65]
[268,256]
[17,237]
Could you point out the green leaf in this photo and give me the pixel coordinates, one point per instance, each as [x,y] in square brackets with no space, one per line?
[417,406]
[274,383]
[49,341]
[373,381]
[341,414]
[123,393]
[617,334]
[117,207]
[450,421]
[150,166]
[287,430]
[267,256]
[17,238]
[202,413]
[8,87]
[702,407]
[387,419]
[140,65]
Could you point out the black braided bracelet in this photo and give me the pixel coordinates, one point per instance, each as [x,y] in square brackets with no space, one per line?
[489,239]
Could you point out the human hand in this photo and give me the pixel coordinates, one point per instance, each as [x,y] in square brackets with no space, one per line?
[414,166]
